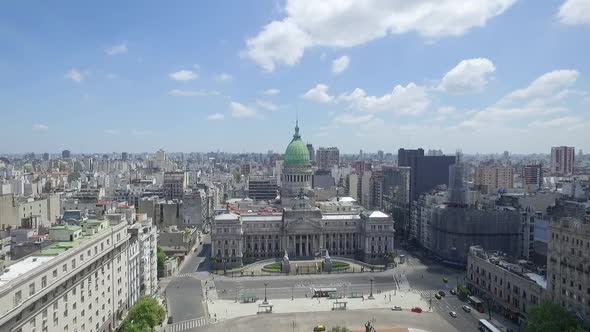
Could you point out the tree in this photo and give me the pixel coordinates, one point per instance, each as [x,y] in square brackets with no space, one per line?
[161,256]
[145,314]
[550,317]
[390,257]
[463,291]
[248,256]
[340,329]
[237,176]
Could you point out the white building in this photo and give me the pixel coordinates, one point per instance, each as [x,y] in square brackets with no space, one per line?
[79,283]
[145,233]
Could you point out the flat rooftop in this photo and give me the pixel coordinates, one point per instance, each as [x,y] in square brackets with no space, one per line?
[21,267]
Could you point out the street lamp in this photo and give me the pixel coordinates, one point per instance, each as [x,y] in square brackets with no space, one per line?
[265,299]
[371,279]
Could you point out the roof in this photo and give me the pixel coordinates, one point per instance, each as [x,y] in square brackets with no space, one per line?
[226,217]
[21,267]
[297,153]
[378,214]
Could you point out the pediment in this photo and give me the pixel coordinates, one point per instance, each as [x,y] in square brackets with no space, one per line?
[304,224]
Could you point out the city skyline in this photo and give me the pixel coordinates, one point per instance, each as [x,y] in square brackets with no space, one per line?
[204,78]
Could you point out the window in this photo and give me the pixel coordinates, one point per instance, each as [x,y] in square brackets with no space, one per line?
[64,268]
[54,274]
[18,297]
[43,282]
[73,263]
[32,289]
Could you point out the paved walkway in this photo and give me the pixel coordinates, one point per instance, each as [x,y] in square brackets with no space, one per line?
[227,309]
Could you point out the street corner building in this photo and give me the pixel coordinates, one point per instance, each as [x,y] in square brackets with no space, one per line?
[299,223]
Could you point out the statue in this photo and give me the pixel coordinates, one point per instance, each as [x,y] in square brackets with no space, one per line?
[285,266]
[327,262]
[369,327]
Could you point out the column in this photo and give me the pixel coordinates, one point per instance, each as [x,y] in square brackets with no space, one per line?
[307,245]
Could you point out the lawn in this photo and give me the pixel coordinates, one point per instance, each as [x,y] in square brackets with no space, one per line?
[273,267]
[340,265]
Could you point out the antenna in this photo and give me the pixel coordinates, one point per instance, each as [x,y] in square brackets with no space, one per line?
[297,116]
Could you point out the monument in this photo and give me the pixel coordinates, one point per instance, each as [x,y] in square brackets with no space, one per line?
[285,266]
[327,262]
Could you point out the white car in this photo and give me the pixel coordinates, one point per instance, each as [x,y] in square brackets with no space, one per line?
[466,308]
[396,308]
[453,314]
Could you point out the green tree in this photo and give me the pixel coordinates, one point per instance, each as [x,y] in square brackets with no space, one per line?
[550,317]
[237,176]
[161,256]
[390,257]
[340,329]
[248,256]
[463,291]
[73,176]
[144,316]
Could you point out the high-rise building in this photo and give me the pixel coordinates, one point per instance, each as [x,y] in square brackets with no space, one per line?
[493,178]
[327,157]
[396,199]
[380,155]
[311,151]
[175,184]
[65,154]
[563,160]
[427,171]
[568,265]
[246,168]
[46,156]
[532,176]
[125,156]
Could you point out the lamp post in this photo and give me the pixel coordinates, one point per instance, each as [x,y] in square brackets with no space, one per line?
[371,279]
[265,299]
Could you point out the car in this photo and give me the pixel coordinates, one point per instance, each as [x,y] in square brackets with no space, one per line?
[442,293]
[445,280]
[438,296]
[396,308]
[453,291]
[453,314]
[416,310]
[466,308]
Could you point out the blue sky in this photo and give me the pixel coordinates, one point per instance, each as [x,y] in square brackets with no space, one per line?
[485,76]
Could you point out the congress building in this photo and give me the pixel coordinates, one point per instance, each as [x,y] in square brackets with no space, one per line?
[298,224]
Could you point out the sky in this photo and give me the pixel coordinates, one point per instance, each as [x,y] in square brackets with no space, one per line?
[481,76]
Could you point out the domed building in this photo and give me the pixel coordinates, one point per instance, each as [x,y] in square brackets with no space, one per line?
[297,174]
[300,226]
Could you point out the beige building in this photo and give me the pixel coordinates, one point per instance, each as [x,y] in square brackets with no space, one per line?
[79,283]
[492,178]
[512,287]
[18,212]
[568,265]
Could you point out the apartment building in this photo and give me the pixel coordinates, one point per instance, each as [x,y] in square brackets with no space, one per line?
[492,178]
[568,264]
[78,283]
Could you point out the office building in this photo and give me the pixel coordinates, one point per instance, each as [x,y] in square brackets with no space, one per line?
[513,286]
[65,154]
[568,265]
[125,156]
[262,187]
[490,179]
[311,152]
[563,160]
[427,171]
[78,283]
[396,199]
[327,157]
[532,176]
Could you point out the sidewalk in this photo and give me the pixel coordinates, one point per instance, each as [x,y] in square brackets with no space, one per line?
[227,309]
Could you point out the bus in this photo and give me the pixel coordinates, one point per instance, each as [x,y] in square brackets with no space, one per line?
[324,292]
[486,326]
[476,303]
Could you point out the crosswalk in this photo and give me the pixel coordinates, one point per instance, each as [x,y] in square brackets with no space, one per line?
[185,275]
[187,324]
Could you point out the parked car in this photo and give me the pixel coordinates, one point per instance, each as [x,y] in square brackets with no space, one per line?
[442,293]
[453,291]
[437,295]
[417,310]
[453,314]
[396,308]
[466,308]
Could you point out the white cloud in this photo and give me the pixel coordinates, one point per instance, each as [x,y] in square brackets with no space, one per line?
[341,64]
[575,12]
[238,110]
[272,92]
[184,75]
[348,23]
[74,75]
[468,76]
[111,132]
[544,86]
[223,78]
[410,99]
[267,105]
[117,49]
[319,94]
[40,127]
[193,93]
[562,122]
[216,117]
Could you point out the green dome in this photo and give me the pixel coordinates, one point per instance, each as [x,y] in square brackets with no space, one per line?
[297,153]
